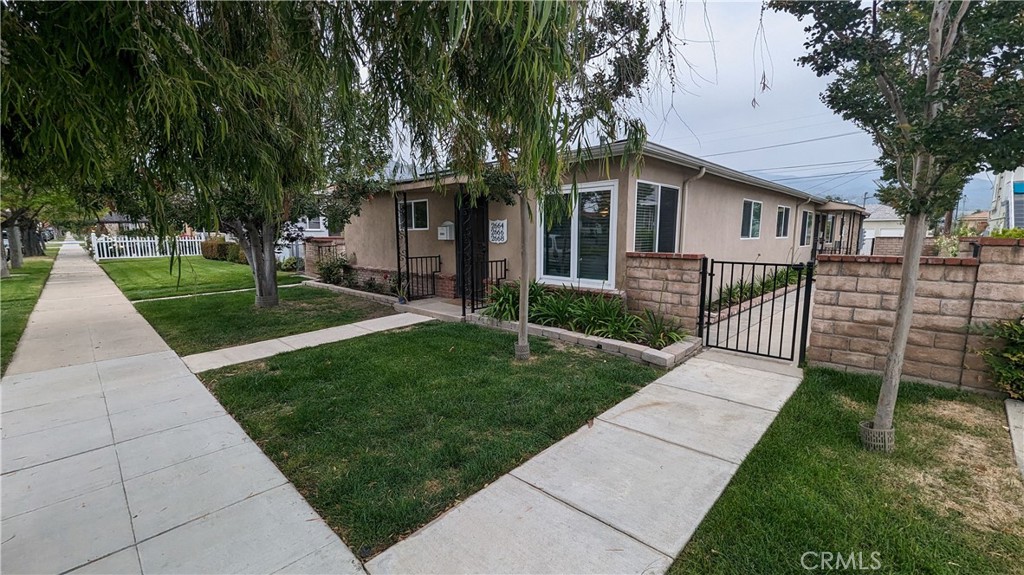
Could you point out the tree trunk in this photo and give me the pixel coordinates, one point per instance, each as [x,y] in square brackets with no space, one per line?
[32,240]
[14,238]
[523,343]
[257,240]
[917,227]
[4,272]
[266,290]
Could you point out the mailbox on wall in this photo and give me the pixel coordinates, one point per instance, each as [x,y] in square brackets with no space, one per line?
[446,232]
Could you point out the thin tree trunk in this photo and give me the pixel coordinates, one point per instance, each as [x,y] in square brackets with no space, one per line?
[268,296]
[523,343]
[14,238]
[4,272]
[917,227]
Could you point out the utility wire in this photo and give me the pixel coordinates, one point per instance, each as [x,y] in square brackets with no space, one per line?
[785,144]
[808,165]
[839,176]
[825,175]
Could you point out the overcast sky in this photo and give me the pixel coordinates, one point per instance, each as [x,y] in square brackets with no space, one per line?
[710,114]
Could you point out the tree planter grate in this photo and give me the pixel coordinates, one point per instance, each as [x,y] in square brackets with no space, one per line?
[872,439]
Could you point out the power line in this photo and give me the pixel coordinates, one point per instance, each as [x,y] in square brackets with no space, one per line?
[751,134]
[825,175]
[808,165]
[837,177]
[772,123]
[851,180]
[783,145]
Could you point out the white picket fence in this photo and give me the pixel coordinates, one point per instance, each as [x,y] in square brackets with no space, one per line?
[119,247]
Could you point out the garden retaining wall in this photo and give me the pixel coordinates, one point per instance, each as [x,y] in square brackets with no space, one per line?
[855,303]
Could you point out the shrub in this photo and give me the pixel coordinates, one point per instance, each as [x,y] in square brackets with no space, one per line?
[288,264]
[334,270]
[214,248]
[554,309]
[235,254]
[1005,358]
[658,331]
[503,302]
[1017,233]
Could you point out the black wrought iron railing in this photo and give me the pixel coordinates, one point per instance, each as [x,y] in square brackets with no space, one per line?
[421,278]
[478,295]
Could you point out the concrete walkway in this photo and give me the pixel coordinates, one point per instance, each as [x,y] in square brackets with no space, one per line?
[261,349]
[621,496]
[116,459]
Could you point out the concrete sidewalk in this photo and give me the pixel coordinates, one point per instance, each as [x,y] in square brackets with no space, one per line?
[621,496]
[252,351]
[116,459]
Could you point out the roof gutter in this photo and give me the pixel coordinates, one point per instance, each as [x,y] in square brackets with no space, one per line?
[686,206]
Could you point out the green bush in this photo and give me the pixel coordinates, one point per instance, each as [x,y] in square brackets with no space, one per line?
[235,254]
[288,264]
[1017,233]
[586,312]
[658,331]
[1005,358]
[335,270]
[214,248]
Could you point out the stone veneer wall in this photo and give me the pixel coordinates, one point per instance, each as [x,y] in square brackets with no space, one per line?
[855,302]
[892,246]
[665,283]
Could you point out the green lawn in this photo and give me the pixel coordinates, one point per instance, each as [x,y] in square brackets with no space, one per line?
[153,277]
[949,500]
[384,432]
[18,295]
[202,323]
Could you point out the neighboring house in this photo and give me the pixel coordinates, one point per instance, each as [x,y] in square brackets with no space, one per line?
[1007,201]
[882,222]
[978,221]
[677,203]
[312,228]
[841,228]
[115,223]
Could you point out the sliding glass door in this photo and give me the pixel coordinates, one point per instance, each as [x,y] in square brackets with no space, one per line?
[580,249]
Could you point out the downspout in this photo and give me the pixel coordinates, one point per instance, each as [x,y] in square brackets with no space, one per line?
[798,222]
[686,207]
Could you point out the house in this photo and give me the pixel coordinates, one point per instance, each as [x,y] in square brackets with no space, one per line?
[1007,200]
[114,224]
[841,229]
[675,203]
[976,222]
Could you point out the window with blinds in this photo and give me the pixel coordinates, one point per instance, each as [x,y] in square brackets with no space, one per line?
[657,214]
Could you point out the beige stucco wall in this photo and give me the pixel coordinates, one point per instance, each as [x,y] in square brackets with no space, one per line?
[711,218]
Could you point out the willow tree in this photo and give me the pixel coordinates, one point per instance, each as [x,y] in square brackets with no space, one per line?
[939,87]
[572,84]
[228,102]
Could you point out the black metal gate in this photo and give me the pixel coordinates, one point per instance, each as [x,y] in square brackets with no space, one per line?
[757,308]
[475,273]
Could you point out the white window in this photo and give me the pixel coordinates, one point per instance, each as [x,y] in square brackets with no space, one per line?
[416,215]
[750,228]
[579,249]
[782,222]
[315,224]
[806,228]
[657,213]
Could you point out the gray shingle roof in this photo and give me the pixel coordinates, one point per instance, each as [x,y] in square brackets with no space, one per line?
[882,213]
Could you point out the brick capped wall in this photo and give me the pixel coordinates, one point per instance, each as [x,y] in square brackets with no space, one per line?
[855,303]
[887,246]
[665,283]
